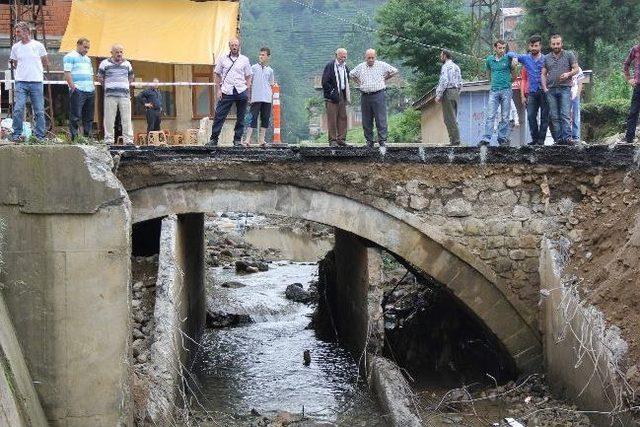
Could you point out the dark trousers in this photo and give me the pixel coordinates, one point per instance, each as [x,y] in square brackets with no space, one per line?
[153,119]
[450,101]
[81,107]
[374,107]
[537,101]
[222,110]
[262,109]
[337,121]
[632,120]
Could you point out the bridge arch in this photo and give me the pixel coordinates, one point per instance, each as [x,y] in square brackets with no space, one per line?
[397,231]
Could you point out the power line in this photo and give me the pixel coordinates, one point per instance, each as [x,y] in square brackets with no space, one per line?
[389,33]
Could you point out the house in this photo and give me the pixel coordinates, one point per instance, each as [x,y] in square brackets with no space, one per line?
[474,97]
[176,43]
[510,17]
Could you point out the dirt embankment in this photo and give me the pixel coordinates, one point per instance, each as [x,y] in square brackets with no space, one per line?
[605,258]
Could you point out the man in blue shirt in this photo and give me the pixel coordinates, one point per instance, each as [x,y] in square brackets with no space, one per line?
[78,72]
[536,100]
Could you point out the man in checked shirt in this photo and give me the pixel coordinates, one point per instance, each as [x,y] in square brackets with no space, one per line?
[632,120]
[372,76]
[448,93]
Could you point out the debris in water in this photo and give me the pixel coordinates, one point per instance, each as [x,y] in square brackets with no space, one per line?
[307,357]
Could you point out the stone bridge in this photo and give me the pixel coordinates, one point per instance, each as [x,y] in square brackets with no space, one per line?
[471,220]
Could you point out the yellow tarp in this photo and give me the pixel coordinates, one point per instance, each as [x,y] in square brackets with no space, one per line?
[166,31]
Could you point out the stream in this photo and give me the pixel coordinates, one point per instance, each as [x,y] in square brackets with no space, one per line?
[259,366]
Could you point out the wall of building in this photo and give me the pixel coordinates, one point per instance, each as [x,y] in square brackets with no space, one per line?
[432,127]
[66,279]
[56,15]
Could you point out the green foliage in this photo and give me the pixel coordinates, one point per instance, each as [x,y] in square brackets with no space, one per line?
[611,86]
[405,127]
[440,23]
[604,118]
[582,23]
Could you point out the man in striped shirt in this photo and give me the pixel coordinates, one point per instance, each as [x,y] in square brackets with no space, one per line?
[78,72]
[448,93]
[634,81]
[116,75]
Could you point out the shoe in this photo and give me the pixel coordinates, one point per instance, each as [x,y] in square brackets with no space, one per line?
[342,144]
[484,142]
[503,142]
[382,143]
[212,143]
[237,143]
[333,144]
[370,144]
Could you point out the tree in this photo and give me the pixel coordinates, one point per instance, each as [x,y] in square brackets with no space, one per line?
[406,27]
[582,23]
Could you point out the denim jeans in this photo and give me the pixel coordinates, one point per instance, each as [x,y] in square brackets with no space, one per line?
[499,99]
[632,119]
[81,109]
[35,92]
[559,99]
[222,109]
[575,118]
[537,102]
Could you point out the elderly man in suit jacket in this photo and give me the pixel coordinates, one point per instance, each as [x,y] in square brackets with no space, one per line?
[337,94]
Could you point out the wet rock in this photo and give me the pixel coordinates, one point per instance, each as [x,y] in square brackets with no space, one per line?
[137,346]
[137,286]
[250,266]
[296,293]
[137,333]
[233,285]
[217,319]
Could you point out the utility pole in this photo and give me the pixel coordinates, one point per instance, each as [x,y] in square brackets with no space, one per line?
[485,18]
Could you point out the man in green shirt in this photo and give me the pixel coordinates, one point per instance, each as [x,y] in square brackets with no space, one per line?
[499,68]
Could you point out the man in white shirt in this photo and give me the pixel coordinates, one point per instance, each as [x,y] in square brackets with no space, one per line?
[372,76]
[262,82]
[232,79]
[28,58]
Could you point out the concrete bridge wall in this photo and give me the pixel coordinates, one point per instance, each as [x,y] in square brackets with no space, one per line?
[66,279]
[179,314]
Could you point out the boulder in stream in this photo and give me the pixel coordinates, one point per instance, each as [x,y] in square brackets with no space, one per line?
[218,319]
[296,293]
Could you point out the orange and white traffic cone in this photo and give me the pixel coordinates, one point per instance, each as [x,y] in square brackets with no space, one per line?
[277,137]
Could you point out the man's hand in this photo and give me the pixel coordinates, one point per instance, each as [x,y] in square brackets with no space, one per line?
[148,105]
[632,82]
[438,100]
[523,98]
[564,76]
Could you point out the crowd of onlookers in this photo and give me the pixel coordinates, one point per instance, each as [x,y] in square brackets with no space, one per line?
[550,87]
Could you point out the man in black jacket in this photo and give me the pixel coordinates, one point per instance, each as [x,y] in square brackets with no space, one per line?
[337,94]
[152,101]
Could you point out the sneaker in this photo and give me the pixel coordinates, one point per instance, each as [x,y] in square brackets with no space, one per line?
[484,142]
[237,144]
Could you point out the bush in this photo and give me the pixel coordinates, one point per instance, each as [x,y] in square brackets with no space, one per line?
[605,118]
[405,126]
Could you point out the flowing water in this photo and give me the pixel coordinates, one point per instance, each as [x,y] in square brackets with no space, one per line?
[260,365]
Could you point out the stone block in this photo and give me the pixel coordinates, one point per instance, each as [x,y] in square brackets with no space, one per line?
[517,255]
[514,182]
[458,208]
[521,213]
[418,202]
[473,227]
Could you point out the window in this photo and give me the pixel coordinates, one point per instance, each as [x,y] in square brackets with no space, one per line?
[146,72]
[202,95]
